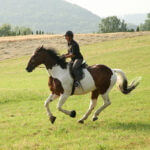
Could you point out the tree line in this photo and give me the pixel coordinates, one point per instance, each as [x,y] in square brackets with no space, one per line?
[107,25]
[114,24]
[146,25]
[8,30]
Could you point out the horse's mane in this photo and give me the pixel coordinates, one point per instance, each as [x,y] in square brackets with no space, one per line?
[59,60]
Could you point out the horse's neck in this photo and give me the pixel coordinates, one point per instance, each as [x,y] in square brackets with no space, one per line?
[56,71]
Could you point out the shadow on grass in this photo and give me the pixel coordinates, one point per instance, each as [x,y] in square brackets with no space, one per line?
[137,126]
[105,125]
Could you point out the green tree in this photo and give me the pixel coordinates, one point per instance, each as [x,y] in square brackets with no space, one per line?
[137,29]
[17,30]
[131,30]
[146,25]
[37,32]
[40,32]
[25,30]
[5,30]
[123,27]
[112,24]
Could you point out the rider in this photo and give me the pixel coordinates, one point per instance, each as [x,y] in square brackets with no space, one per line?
[75,55]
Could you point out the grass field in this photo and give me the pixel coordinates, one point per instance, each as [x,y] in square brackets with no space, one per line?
[123,125]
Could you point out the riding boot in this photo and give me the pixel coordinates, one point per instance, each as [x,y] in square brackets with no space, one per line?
[77,77]
[76,71]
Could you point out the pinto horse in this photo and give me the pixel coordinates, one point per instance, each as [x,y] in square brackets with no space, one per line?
[98,79]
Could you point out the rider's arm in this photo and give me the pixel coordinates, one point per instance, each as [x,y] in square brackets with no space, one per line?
[73,51]
[69,55]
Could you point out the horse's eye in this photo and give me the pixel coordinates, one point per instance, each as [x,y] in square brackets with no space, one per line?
[33,60]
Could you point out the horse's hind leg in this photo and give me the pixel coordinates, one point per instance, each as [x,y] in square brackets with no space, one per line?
[91,107]
[48,100]
[106,103]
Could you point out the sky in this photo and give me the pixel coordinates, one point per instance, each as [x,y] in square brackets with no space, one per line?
[104,8]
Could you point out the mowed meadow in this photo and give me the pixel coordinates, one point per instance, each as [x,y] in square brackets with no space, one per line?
[124,125]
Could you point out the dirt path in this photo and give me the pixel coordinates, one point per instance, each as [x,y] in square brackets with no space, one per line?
[25,45]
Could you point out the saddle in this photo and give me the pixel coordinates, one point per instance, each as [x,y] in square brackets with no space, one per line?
[80,72]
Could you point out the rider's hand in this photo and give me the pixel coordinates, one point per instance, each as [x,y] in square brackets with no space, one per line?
[70,55]
[63,56]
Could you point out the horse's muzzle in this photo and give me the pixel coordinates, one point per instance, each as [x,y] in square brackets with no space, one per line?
[29,69]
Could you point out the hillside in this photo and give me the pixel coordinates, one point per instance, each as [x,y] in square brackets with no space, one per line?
[131,26]
[53,16]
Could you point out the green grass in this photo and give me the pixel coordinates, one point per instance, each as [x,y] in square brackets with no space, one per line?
[123,125]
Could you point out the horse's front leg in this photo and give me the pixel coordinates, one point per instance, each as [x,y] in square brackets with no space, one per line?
[48,100]
[62,100]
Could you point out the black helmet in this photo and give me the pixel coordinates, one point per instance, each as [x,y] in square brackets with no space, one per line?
[69,33]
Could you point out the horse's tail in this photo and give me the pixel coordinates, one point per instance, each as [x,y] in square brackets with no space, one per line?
[122,82]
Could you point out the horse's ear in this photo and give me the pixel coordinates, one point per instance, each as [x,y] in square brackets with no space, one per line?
[40,48]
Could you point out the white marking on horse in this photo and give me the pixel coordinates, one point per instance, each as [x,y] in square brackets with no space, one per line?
[87,83]
[63,75]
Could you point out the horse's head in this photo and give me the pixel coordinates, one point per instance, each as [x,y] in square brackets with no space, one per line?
[48,57]
[36,59]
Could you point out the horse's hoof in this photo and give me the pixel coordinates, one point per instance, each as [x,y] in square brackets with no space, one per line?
[52,119]
[94,119]
[73,114]
[81,121]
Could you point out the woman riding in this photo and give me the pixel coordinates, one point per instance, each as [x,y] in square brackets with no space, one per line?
[75,55]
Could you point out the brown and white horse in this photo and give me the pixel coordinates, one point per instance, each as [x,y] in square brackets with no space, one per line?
[98,79]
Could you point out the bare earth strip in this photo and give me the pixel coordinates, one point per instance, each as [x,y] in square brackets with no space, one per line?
[11,47]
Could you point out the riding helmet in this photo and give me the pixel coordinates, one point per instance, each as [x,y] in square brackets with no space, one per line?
[69,33]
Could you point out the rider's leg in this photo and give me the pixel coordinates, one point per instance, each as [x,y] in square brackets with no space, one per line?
[77,63]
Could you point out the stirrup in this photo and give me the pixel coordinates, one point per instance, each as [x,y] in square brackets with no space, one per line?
[77,84]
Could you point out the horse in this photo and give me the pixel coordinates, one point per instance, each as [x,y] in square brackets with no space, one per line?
[98,79]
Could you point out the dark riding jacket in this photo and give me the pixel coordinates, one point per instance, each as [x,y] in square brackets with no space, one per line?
[75,50]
